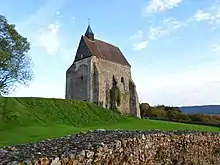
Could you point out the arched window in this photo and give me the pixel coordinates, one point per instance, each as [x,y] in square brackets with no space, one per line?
[122,79]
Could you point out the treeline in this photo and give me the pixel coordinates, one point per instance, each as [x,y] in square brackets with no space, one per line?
[170,113]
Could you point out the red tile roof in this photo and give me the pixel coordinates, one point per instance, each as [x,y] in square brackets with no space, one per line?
[106,51]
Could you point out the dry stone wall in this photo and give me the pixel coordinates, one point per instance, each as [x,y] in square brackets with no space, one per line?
[119,148]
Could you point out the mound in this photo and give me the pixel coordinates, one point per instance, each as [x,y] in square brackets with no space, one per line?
[20,112]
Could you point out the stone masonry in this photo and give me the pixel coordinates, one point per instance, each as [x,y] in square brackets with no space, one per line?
[119,148]
[100,68]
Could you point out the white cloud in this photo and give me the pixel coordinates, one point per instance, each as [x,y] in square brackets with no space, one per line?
[48,38]
[141,45]
[216,47]
[73,19]
[138,42]
[155,6]
[198,85]
[210,14]
[41,17]
[42,27]
[138,35]
[201,15]
[165,28]
[58,13]
[157,32]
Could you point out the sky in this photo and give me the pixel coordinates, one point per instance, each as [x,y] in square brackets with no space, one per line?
[173,46]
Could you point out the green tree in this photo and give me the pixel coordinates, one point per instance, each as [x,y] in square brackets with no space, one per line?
[144,107]
[156,112]
[15,64]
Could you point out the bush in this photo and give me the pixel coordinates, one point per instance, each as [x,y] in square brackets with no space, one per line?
[155,112]
[144,107]
[175,114]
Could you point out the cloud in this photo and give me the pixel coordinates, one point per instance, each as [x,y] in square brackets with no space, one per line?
[141,45]
[216,47]
[58,13]
[210,14]
[165,28]
[155,6]
[73,18]
[138,42]
[42,16]
[138,35]
[48,38]
[197,85]
[201,15]
[157,32]
[42,27]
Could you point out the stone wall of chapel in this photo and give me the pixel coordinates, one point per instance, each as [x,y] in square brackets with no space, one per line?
[106,71]
[78,80]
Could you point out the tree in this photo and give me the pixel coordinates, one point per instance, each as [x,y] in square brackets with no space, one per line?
[15,64]
[143,108]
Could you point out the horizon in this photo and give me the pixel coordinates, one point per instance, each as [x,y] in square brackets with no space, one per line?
[173,46]
[203,105]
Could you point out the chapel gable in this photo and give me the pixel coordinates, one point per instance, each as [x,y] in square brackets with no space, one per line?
[83,51]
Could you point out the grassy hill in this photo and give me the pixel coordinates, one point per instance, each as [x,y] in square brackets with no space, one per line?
[25,120]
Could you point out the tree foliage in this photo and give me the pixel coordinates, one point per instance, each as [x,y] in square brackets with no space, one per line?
[15,64]
[175,114]
[144,109]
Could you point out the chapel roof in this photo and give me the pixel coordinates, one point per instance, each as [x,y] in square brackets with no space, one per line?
[104,50]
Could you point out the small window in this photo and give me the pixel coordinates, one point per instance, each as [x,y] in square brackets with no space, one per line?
[81,55]
[81,77]
[122,79]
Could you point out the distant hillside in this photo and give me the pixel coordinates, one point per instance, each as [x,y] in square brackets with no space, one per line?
[205,109]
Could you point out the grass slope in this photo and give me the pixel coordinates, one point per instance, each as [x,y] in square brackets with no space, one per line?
[25,120]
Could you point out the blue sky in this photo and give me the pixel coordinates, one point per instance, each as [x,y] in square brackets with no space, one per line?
[172,45]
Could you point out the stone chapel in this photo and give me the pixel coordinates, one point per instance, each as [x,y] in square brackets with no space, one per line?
[101,74]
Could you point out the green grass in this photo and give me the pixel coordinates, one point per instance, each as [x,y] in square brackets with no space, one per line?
[25,120]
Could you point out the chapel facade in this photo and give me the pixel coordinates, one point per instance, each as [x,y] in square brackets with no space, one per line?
[101,74]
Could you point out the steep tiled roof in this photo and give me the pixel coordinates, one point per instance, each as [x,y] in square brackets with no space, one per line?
[106,51]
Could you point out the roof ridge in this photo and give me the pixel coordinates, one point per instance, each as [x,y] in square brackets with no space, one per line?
[106,51]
